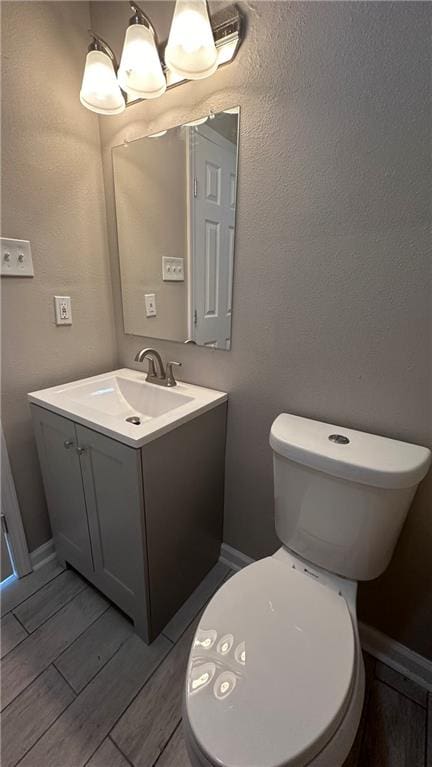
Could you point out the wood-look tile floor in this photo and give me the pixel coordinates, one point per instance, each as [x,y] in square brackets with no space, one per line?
[80,688]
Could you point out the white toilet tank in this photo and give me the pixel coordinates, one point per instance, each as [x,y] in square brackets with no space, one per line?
[342,496]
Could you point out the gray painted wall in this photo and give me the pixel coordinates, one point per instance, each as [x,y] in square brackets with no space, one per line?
[332,300]
[151,213]
[52,195]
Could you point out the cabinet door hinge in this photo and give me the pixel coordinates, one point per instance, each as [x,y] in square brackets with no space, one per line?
[195,187]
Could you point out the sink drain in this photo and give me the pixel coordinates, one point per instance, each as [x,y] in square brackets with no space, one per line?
[134,419]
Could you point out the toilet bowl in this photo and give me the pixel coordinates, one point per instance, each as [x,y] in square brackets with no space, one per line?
[275,675]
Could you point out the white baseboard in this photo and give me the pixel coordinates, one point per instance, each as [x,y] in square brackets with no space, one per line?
[43,554]
[384,648]
[236,560]
[396,655]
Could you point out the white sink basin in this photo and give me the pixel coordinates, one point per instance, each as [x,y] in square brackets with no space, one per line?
[104,403]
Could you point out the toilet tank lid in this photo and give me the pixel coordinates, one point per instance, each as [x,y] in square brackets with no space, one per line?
[349,454]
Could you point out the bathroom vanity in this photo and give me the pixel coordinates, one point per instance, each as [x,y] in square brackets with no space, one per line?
[136,508]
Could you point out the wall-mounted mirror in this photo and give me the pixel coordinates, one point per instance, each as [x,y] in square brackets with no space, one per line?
[175,198]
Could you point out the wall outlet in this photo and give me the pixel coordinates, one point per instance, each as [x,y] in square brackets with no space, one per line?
[150,304]
[63,310]
[16,258]
[172,269]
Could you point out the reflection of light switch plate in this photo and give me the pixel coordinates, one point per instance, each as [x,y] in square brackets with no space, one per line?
[150,304]
[63,310]
[172,269]
[16,258]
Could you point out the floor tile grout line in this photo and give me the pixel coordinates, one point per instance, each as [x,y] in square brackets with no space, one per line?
[122,753]
[167,743]
[86,585]
[21,640]
[85,630]
[3,615]
[64,679]
[21,624]
[45,731]
[52,663]
[402,694]
[76,697]
[173,645]
[64,710]
[139,691]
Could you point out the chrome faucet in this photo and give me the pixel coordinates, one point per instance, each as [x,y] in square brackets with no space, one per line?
[161,377]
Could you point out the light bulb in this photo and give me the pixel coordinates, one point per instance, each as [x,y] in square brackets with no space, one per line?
[100,91]
[199,121]
[191,51]
[140,72]
[158,134]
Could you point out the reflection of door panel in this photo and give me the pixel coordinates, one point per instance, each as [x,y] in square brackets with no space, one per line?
[213,214]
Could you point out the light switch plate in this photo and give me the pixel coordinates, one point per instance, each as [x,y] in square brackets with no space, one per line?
[172,269]
[16,258]
[150,304]
[63,310]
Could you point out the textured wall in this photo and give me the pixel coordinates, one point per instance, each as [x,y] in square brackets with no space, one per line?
[151,211]
[332,300]
[52,190]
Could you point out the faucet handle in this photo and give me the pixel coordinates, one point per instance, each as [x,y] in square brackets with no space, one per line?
[170,374]
[151,370]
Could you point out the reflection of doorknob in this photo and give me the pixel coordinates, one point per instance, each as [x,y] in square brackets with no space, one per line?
[190,341]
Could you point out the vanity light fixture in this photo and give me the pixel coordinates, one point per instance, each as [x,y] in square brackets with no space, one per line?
[140,73]
[100,91]
[191,50]
[197,46]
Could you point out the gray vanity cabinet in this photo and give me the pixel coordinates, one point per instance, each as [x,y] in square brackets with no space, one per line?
[111,474]
[61,469]
[144,525]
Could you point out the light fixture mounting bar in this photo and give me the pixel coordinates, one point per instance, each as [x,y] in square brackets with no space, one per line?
[228,29]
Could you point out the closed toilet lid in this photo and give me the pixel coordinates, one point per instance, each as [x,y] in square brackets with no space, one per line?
[271,668]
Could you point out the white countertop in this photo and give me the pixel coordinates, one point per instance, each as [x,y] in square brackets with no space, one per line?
[103,403]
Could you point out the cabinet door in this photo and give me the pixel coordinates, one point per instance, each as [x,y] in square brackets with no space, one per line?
[57,447]
[114,496]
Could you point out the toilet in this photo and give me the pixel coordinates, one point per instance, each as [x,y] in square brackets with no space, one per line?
[275,675]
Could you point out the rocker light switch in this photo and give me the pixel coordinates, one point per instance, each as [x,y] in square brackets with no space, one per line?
[16,258]
[172,269]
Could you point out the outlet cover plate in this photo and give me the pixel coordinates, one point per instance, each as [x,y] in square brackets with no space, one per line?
[63,310]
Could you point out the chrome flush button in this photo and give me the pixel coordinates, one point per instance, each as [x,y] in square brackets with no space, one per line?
[339,439]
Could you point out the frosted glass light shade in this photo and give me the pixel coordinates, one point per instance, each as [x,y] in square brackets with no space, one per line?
[191,51]
[100,91]
[140,72]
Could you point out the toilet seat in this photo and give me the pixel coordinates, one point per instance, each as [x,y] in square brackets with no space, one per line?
[271,669]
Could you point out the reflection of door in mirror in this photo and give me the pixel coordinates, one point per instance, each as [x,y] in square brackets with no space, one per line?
[175,213]
[212,187]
